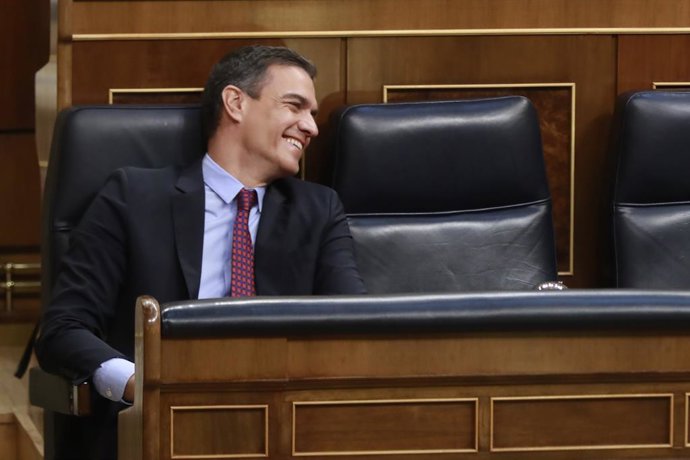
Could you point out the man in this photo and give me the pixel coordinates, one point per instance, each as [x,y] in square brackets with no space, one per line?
[176,233]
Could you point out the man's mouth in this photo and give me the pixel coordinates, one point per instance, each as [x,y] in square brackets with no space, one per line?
[297,144]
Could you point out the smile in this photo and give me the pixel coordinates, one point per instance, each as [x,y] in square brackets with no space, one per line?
[295,142]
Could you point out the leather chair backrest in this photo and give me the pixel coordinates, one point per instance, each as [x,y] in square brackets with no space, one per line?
[651,206]
[89,143]
[446,196]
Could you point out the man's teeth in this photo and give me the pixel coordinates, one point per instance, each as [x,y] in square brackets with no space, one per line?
[294,142]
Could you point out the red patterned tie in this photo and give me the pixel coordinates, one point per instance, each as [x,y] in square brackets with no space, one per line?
[242,261]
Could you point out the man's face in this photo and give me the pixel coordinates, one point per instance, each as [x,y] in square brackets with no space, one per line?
[279,124]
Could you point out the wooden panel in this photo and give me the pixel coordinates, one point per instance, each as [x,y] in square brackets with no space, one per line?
[8,436]
[20,191]
[251,359]
[24,49]
[488,355]
[384,427]
[588,62]
[142,65]
[19,227]
[645,59]
[157,65]
[352,15]
[218,431]
[563,423]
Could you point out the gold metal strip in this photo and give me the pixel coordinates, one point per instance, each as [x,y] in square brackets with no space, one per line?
[218,407]
[378,33]
[384,452]
[687,414]
[113,91]
[584,447]
[571,85]
[14,267]
[20,285]
[573,101]
[9,286]
[669,84]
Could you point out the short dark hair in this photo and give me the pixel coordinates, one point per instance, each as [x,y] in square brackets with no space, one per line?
[245,68]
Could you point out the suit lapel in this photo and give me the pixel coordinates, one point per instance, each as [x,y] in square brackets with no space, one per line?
[270,251]
[188,218]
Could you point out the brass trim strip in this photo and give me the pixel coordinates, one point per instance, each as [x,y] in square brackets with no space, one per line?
[113,91]
[571,243]
[9,285]
[13,266]
[218,407]
[583,447]
[378,33]
[19,285]
[669,84]
[384,452]
[687,406]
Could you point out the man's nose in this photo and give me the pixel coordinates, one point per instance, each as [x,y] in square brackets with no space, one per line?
[308,125]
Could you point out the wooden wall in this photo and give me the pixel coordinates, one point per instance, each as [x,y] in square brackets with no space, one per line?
[24,48]
[571,57]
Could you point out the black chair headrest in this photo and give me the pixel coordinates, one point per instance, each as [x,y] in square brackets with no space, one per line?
[652,139]
[434,156]
[89,143]
[93,141]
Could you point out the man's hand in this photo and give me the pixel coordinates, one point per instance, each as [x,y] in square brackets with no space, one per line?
[129,390]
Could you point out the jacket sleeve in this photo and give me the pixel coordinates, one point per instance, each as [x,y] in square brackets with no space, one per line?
[75,323]
[337,271]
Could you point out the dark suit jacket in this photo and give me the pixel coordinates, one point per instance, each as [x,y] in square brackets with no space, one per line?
[143,234]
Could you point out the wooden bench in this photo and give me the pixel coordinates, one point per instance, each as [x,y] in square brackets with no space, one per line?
[558,375]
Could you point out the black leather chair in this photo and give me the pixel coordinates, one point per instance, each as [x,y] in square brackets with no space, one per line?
[651,210]
[446,196]
[89,143]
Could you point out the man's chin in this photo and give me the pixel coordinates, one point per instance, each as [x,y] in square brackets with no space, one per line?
[292,168]
[287,171]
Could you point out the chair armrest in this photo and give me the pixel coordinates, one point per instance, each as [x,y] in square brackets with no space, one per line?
[54,393]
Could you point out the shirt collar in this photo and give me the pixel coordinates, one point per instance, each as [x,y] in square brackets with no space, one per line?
[224,184]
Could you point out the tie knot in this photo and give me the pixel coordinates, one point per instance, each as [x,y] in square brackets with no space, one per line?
[246,199]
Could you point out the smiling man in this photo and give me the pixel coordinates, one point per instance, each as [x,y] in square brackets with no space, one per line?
[234,223]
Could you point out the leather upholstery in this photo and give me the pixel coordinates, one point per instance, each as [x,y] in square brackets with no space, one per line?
[89,143]
[396,314]
[652,192]
[446,196]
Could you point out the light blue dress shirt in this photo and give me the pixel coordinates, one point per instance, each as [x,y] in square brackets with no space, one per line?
[221,190]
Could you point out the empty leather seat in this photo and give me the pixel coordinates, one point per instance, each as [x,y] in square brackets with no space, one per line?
[446,196]
[651,209]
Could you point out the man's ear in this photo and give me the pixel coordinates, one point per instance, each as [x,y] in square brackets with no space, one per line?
[233,102]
